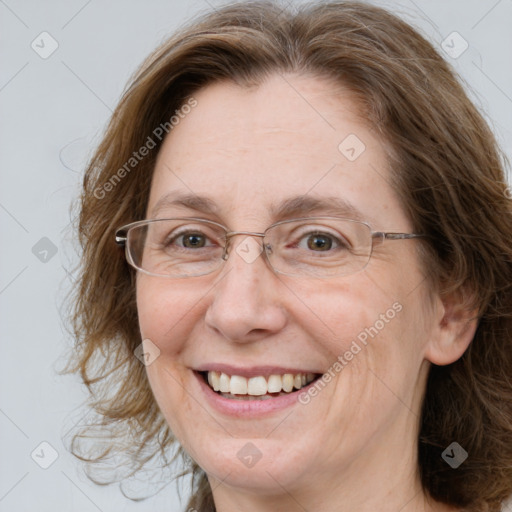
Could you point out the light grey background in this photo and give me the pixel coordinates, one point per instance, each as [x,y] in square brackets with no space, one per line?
[53,111]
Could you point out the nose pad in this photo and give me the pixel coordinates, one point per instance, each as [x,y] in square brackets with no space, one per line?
[225,253]
[248,248]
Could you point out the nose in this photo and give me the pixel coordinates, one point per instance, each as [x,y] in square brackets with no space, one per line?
[246,300]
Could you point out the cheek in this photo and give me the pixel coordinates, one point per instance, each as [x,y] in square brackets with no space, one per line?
[164,318]
[151,309]
[367,325]
[166,312]
[353,310]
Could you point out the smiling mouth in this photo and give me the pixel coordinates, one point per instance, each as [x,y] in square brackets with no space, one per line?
[260,387]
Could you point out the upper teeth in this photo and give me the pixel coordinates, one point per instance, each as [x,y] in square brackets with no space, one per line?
[260,385]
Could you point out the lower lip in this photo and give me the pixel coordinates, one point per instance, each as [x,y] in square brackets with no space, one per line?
[249,408]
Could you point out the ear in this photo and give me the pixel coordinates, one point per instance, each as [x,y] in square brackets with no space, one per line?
[454,328]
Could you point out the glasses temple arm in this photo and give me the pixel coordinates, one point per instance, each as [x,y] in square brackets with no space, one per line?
[121,238]
[401,236]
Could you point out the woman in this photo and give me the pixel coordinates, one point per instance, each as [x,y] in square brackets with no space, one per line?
[318,269]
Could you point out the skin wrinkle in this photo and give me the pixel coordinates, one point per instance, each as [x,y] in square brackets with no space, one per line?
[358,427]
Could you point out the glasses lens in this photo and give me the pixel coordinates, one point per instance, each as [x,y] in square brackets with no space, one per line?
[176,247]
[321,247]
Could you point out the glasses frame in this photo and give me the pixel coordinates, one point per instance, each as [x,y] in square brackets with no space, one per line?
[121,238]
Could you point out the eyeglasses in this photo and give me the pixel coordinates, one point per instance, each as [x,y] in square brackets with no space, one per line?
[321,247]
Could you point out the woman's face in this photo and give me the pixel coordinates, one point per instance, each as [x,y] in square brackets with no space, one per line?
[246,150]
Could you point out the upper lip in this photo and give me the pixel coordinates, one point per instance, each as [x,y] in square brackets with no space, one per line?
[251,371]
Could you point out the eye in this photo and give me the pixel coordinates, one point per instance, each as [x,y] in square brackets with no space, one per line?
[193,240]
[318,241]
[189,239]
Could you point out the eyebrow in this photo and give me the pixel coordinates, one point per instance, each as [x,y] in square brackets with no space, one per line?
[289,208]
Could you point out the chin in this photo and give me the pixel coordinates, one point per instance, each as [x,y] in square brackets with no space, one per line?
[262,466]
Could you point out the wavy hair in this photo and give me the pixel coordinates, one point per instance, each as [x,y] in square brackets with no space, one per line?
[446,167]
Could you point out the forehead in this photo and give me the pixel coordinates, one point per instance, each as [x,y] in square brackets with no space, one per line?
[250,149]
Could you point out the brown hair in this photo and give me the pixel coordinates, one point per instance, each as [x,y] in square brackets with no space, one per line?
[448,172]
